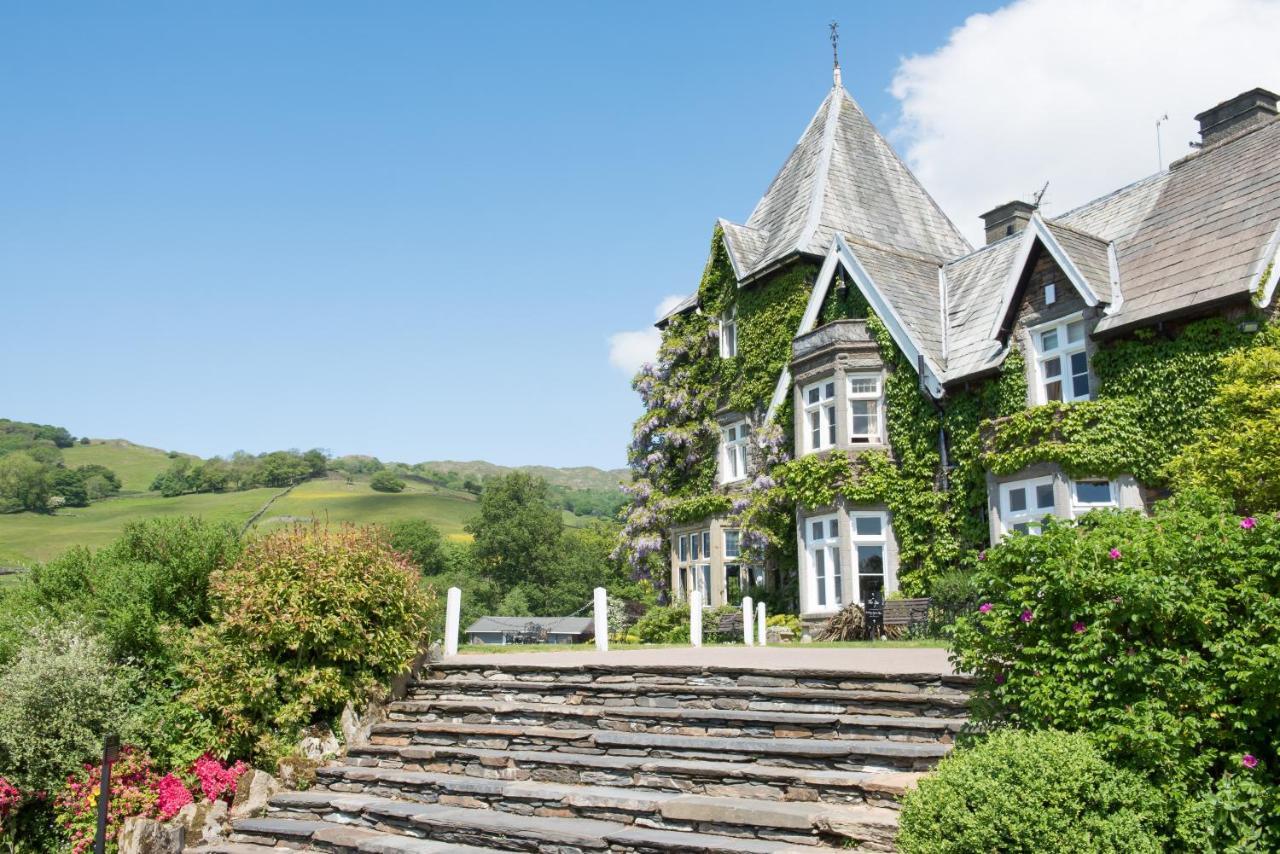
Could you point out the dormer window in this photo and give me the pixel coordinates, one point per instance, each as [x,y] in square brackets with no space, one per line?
[729,334]
[820,415]
[733,444]
[1062,361]
[864,409]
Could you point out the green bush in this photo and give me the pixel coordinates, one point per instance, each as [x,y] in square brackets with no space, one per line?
[386,481]
[1240,813]
[58,698]
[421,542]
[953,593]
[1159,636]
[1031,791]
[664,624]
[306,620]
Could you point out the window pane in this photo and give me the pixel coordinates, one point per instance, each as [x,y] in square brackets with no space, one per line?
[817,531]
[706,544]
[1044,496]
[744,430]
[864,385]
[815,430]
[1052,367]
[1053,390]
[870,571]
[1021,527]
[1079,363]
[829,390]
[1049,340]
[684,548]
[1017,499]
[867,526]
[813,395]
[732,434]
[835,576]
[731,547]
[833,529]
[742,459]
[1080,386]
[820,575]
[1093,491]
[1075,331]
[694,543]
[831,425]
[733,464]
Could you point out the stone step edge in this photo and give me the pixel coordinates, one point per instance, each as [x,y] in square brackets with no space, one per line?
[810,747]
[472,687]
[587,833]
[460,665]
[892,783]
[781,814]
[811,719]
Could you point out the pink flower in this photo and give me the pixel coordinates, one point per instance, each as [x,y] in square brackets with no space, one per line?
[1000,678]
[1077,627]
[217,779]
[1114,554]
[1027,616]
[1249,761]
[173,795]
[982,555]
[985,607]
[1248,523]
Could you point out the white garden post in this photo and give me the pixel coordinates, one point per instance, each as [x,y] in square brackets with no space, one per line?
[760,625]
[747,621]
[452,617]
[695,617]
[602,620]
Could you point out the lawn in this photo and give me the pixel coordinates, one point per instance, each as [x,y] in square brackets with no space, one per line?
[26,537]
[487,648]
[136,465]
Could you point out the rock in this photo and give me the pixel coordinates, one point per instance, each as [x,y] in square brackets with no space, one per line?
[147,836]
[253,790]
[356,727]
[295,772]
[318,742]
[202,821]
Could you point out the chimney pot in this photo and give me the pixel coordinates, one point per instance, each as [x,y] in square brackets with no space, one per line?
[1006,219]
[1236,114]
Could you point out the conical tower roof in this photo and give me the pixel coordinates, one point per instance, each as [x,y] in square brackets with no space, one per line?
[842,176]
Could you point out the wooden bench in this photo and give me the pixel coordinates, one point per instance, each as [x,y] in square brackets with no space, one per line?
[900,615]
[730,625]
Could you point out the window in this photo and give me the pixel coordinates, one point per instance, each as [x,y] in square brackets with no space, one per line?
[1089,494]
[1025,503]
[1050,293]
[733,463]
[693,553]
[864,409]
[731,547]
[729,334]
[868,553]
[1062,363]
[820,415]
[822,551]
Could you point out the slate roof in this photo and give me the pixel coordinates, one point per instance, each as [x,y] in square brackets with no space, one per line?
[554,625]
[973,286]
[842,176]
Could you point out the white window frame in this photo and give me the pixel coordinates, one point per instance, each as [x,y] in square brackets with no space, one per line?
[1032,515]
[875,436]
[693,562]
[729,333]
[823,565]
[734,441]
[881,540]
[1050,293]
[1080,507]
[1063,351]
[824,409]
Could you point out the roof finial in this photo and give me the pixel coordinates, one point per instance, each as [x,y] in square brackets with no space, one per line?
[835,51]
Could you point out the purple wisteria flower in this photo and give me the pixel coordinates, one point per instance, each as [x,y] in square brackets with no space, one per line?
[985,608]
[1078,627]
[1248,523]
[763,482]
[738,505]
[1249,761]
[1114,554]
[1027,616]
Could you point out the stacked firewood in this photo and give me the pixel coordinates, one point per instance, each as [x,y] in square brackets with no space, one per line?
[849,624]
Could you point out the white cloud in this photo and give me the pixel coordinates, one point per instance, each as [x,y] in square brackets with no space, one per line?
[629,350]
[1068,91]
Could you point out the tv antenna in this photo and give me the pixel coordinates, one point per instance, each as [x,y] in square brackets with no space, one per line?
[1035,202]
[1159,148]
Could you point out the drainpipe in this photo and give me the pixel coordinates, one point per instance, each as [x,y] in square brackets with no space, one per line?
[942,430]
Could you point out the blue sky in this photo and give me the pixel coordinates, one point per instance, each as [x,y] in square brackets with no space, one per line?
[402,229]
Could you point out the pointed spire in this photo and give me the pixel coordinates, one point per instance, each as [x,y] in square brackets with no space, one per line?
[835,52]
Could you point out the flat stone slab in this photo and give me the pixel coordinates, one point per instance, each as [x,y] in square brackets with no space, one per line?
[579,832]
[288,828]
[775,746]
[672,840]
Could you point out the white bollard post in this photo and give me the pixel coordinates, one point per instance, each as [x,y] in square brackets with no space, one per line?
[602,620]
[452,617]
[747,621]
[695,617]
[761,634]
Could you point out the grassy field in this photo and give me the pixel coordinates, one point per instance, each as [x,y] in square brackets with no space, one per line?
[136,465]
[335,500]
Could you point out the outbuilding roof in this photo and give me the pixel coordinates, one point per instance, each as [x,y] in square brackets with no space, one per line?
[553,625]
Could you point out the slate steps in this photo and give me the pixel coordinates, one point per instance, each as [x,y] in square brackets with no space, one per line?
[726,723]
[842,754]
[318,835]
[682,823]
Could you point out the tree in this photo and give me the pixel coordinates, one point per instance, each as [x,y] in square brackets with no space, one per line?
[518,534]
[25,483]
[419,541]
[69,484]
[386,481]
[317,462]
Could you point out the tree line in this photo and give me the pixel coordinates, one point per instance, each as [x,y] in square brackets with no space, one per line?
[33,475]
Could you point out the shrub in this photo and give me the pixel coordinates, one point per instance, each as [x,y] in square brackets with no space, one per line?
[61,695]
[134,791]
[664,624]
[305,620]
[1031,791]
[953,593]
[1240,813]
[386,481]
[421,542]
[1159,636]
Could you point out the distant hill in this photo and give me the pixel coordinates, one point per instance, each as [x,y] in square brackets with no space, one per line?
[137,465]
[580,477]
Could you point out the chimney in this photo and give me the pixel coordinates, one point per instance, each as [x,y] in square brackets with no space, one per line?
[1236,114]
[1006,219]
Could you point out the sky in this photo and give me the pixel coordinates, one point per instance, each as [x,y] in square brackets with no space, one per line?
[442,232]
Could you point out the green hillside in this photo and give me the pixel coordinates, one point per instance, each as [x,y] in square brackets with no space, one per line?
[333,499]
[580,477]
[137,465]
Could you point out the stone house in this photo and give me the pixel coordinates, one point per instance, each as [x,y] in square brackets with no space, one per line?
[845,222]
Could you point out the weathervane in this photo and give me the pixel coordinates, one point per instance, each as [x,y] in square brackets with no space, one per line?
[835,50]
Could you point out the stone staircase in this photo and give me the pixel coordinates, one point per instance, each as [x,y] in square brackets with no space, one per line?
[604,758]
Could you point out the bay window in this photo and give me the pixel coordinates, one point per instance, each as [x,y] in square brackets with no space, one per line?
[820,415]
[1025,503]
[822,557]
[693,556]
[864,409]
[1061,361]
